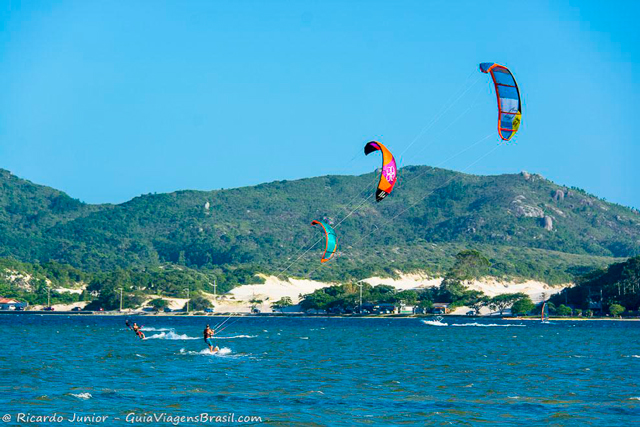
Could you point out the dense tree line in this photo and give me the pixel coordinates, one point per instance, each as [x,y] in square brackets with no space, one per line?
[33,283]
[346,299]
[617,287]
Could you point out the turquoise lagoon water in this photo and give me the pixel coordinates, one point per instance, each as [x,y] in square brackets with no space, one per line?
[321,371]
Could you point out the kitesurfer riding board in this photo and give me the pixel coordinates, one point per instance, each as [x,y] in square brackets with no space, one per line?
[208,339]
[138,330]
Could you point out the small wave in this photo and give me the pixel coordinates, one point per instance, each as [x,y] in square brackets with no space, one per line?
[157,329]
[231,337]
[513,397]
[206,352]
[83,396]
[304,338]
[634,398]
[481,325]
[487,325]
[434,323]
[170,336]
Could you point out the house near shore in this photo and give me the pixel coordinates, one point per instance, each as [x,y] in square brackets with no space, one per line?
[367,308]
[384,308]
[440,308]
[12,304]
[407,309]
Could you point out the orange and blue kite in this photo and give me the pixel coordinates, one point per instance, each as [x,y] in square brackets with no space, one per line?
[508,94]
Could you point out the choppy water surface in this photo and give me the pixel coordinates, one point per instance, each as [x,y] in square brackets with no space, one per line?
[325,371]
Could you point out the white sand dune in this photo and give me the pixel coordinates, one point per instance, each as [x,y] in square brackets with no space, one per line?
[538,291]
[239,299]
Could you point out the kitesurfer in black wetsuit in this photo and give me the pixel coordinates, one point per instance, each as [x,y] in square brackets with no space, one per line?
[138,330]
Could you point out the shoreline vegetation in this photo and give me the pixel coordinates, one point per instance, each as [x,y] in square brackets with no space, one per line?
[464,289]
[300,315]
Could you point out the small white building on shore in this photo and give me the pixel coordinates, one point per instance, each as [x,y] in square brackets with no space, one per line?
[11,304]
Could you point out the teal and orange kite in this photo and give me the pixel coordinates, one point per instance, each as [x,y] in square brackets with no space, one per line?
[331,240]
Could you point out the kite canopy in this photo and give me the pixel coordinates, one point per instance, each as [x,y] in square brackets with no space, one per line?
[509,105]
[389,171]
[332,241]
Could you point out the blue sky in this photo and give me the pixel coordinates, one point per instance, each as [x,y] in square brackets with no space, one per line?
[109,100]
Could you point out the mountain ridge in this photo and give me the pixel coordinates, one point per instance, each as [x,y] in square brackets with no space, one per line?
[268,224]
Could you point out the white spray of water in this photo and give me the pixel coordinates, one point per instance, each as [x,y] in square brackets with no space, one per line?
[434,323]
[487,325]
[234,337]
[171,336]
[481,325]
[82,396]
[206,352]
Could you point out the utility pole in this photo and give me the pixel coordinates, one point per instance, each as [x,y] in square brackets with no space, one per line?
[48,296]
[360,284]
[187,289]
[121,290]
[215,289]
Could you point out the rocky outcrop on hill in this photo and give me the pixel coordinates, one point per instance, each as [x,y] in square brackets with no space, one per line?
[520,209]
[557,211]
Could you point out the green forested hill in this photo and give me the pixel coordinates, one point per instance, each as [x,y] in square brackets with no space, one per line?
[527,226]
[28,211]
